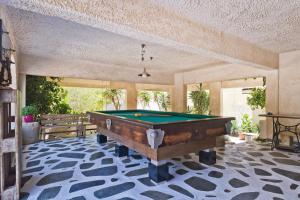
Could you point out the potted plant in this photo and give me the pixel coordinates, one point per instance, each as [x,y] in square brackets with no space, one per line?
[29,113]
[234,128]
[246,126]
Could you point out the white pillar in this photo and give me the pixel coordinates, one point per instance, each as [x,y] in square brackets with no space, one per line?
[179,94]
[22,88]
[215,98]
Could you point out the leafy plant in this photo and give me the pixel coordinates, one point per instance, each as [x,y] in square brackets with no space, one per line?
[47,95]
[200,99]
[162,99]
[30,110]
[114,96]
[144,97]
[234,127]
[257,98]
[248,126]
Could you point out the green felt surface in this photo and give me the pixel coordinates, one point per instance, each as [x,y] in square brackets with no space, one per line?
[157,116]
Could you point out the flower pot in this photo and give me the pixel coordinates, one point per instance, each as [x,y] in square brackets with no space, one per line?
[242,136]
[28,118]
[30,132]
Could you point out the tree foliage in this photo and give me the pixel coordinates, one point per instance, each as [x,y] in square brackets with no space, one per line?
[85,99]
[144,97]
[257,98]
[162,99]
[114,96]
[47,95]
[200,99]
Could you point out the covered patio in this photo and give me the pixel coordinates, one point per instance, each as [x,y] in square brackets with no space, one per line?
[168,46]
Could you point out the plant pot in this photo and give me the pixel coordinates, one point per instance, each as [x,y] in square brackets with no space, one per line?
[30,132]
[242,136]
[28,118]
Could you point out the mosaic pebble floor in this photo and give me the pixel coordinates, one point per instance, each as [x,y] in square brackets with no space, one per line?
[80,169]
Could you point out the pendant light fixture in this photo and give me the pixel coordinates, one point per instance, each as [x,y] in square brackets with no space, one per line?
[144,74]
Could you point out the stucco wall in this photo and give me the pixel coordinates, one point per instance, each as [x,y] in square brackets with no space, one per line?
[289,83]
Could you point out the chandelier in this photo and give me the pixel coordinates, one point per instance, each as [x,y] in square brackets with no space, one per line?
[144,74]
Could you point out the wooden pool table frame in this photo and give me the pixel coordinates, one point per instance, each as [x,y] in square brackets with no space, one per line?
[180,137]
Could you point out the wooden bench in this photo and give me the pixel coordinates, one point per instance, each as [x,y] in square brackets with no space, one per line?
[63,123]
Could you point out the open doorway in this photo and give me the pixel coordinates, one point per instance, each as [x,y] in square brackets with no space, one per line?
[245,100]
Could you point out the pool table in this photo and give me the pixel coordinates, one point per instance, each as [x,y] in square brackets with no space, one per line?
[161,135]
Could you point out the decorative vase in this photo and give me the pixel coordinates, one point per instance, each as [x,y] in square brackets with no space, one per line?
[28,118]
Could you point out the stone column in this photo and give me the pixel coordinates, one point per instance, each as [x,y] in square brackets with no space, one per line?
[22,88]
[179,94]
[215,98]
[272,94]
[131,97]
[215,105]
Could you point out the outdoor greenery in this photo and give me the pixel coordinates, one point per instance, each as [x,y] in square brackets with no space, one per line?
[160,98]
[114,96]
[47,95]
[200,99]
[248,126]
[144,97]
[257,98]
[85,99]
[234,127]
[30,110]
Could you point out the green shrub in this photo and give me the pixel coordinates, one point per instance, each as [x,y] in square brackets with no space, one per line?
[46,94]
[144,97]
[30,110]
[234,127]
[114,96]
[248,126]
[162,100]
[200,99]
[257,98]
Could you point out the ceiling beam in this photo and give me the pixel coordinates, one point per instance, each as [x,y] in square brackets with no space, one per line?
[148,22]
[225,72]
[46,66]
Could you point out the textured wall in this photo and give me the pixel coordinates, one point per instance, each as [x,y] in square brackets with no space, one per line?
[289,83]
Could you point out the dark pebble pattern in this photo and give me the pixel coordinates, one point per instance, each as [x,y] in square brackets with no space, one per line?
[104,171]
[200,184]
[84,185]
[113,190]
[84,170]
[55,177]
[156,195]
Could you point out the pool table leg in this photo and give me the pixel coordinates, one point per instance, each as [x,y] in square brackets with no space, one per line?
[158,171]
[121,150]
[101,138]
[208,156]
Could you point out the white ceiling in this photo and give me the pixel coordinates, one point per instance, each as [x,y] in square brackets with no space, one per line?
[270,24]
[62,41]
[101,39]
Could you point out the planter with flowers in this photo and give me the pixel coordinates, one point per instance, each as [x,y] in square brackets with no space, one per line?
[29,113]
[30,128]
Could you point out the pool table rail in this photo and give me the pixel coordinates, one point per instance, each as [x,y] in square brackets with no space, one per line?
[182,132]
